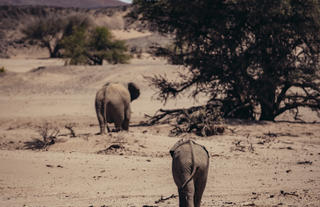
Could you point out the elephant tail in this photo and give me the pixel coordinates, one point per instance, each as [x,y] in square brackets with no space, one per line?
[194,170]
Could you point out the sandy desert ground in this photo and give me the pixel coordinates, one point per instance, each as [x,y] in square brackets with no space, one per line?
[251,164]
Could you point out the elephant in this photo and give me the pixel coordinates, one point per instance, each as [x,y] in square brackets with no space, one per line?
[190,166]
[112,105]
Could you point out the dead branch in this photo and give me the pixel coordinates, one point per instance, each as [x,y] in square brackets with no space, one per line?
[162,199]
[203,120]
[170,114]
[70,126]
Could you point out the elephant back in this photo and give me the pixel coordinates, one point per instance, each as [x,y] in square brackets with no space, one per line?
[197,147]
[117,92]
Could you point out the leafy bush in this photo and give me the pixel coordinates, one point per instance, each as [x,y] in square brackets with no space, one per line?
[103,47]
[75,47]
[92,47]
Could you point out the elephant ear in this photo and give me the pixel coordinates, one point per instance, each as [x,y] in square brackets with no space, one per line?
[133,90]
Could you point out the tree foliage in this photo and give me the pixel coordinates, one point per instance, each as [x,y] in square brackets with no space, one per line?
[103,46]
[74,47]
[50,30]
[255,57]
[93,46]
[75,38]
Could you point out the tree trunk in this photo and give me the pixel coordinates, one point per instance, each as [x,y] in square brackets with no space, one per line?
[267,112]
[267,101]
[96,60]
[55,53]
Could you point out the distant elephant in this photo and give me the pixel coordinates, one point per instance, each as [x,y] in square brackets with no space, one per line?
[190,165]
[112,105]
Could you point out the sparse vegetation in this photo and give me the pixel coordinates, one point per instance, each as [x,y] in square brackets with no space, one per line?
[48,133]
[2,69]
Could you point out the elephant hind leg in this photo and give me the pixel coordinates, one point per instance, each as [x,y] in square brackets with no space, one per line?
[186,195]
[127,116]
[125,124]
[101,123]
[118,116]
[200,181]
[117,124]
[100,116]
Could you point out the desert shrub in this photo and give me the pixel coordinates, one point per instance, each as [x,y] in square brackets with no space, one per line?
[2,69]
[92,47]
[48,133]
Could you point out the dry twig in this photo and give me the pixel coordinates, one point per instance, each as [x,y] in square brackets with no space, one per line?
[162,199]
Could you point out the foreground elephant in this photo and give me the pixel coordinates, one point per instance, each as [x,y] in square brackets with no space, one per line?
[113,105]
[190,165]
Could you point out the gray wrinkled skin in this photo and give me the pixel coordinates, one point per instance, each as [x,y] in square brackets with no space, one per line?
[112,105]
[190,165]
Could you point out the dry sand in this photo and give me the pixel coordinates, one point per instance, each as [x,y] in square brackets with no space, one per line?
[252,164]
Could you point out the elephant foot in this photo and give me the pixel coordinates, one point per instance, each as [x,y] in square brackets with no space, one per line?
[115,130]
[101,133]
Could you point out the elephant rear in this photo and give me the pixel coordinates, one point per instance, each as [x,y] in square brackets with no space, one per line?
[190,165]
[113,105]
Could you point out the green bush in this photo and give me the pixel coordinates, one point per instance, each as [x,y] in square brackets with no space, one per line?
[75,47]
[92,47]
